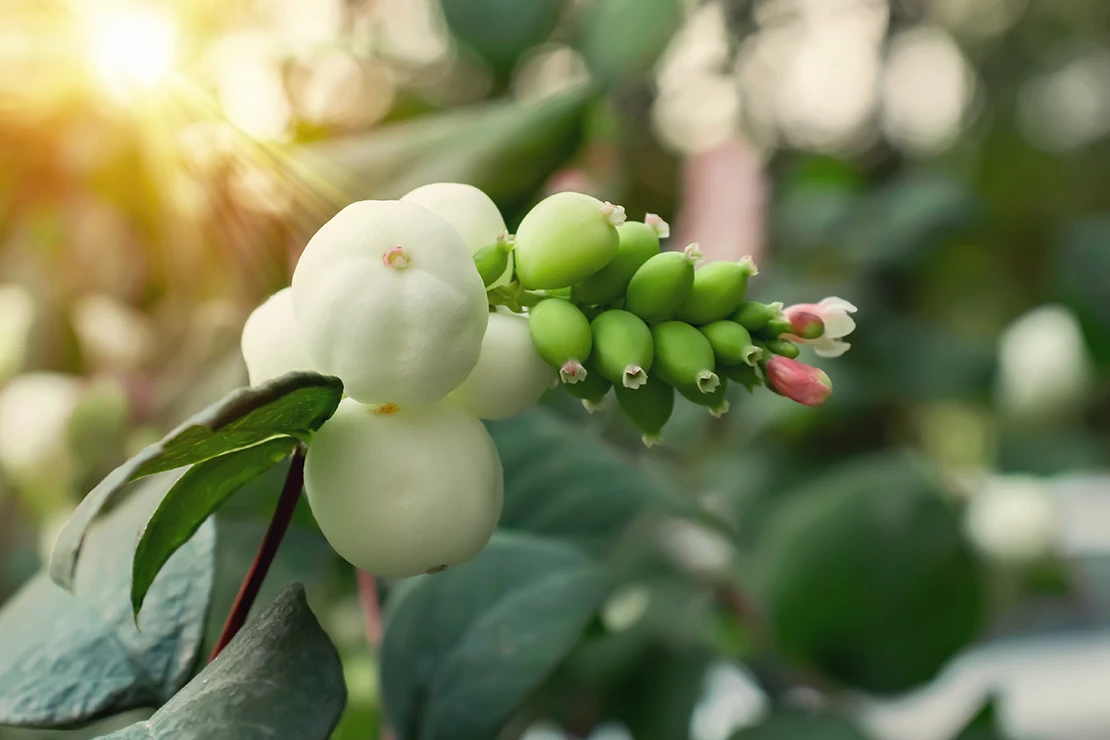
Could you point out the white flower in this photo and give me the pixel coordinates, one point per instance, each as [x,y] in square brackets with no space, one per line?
[838,324]
[1043,366]
[510,375]
[400,491]
[473,214]
[387,298]
[271,344]
[1013,519]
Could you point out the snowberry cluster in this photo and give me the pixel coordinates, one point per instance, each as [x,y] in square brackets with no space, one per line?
[434,317]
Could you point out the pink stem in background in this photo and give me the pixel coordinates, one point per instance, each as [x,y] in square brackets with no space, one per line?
[368,595]
[723,204]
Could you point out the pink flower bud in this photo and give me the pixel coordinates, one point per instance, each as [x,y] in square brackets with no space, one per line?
[833,314]
[807,385]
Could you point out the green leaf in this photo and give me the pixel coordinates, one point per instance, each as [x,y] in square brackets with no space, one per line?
[506,149]
[983,726]
[500,31]
[67,658]
[561,481]
[866,573]
[801,727]
[1082,262]
[294,405]
[279,677]
[194,498]
[463,648]
[623,39]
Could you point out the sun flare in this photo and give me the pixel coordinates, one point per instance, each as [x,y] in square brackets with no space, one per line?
[132,50]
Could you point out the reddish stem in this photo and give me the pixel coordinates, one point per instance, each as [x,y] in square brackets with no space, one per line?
[368,594]
[283,514]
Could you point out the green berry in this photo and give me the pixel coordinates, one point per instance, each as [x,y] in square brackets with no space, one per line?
[775,328]
[565,239]
[745,375]
[715,400]
[638,243]
[493,259]
[684,357]
[754,316]
[623,348]
[782,347]
[592,389]
[732,344]
[648,407]
[659,287]
[717,292]
[561,334]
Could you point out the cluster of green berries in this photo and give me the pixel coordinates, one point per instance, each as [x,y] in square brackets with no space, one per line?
[609,309]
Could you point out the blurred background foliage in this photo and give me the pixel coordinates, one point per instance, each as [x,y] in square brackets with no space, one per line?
[923,557]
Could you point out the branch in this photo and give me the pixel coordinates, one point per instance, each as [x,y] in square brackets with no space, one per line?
[283,514]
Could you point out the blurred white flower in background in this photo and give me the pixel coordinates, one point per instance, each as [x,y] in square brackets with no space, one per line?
[1069,107]
[976,18]
[251,87]
[35,414]
[549,70]
[731,700]
[337,89]
[112,336]
[695,547]
[1044,370]
[17,316]
[625,608]
[1013,519]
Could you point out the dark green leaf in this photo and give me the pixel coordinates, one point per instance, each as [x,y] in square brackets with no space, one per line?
[505,148]
[294,405]
[866,574]
[1082,262]
[500,31]
[801,727]
[983,726]
[280,677]
[561,481]
[463,648]
[194,498]
[623,39]
[68,658]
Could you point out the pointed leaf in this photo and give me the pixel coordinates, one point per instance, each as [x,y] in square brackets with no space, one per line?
[279,677]
[66,658]
[194,498]
[463,648]
[294,405]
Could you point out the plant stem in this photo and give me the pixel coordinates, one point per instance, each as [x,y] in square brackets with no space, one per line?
[283,514]
[368,594]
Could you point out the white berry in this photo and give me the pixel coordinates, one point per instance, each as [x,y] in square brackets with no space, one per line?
[510,375]
[271,343]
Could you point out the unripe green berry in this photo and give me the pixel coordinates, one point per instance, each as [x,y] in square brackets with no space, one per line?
[623,348]
[775,328]
[638,243]
[716,402]
[592,389]
[493,259]
[732,344]
[660,286]
[718,291]
[648,407]
[562,336]
[745,375]
[782,347]
[684,357]
[564,239]
[754,316]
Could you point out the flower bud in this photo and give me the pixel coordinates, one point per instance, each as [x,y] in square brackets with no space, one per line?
[271,343]
[648,407]
[783,347]
[564,239]
[805,324]
[731,343]
[807,385]
[493,259]
[387,298]
[684,358]
[659,287]
[745,375]
[715,401]
[754,316]
[835,325]
[473,214]
[718,291]
[510,376]
[400,491]
[561,334]
[592,389]
[622,348]
[638,243]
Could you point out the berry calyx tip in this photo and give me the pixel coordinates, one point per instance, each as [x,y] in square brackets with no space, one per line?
[396,258]
[661,227]
[708,381]
[634,376]
[572,372]
[693,253]
[613,213]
